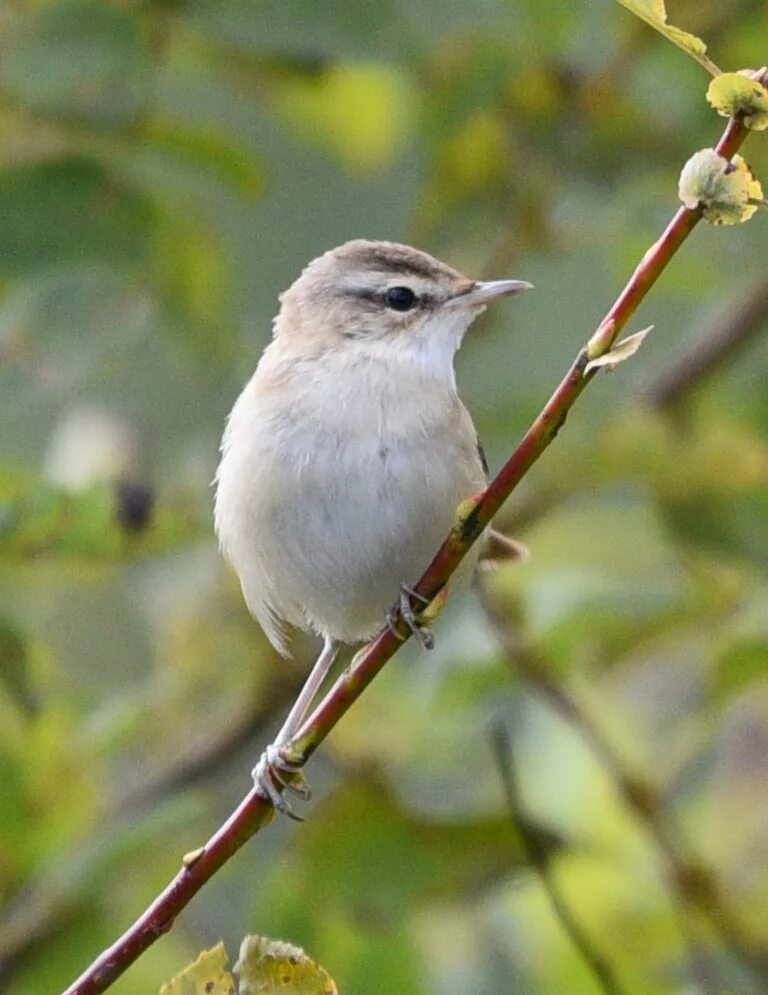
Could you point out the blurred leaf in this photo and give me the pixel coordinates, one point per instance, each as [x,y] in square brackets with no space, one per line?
[591,559]
[475,157]
[292,28]
[740,664]
[79,58]
[727,526]
[654,13]
[208,975]
[363,113]
[57,775]
[367,871]
[14,666]
[714,456]
[266,965]
[40,520]
[67,211]
[50,518]
[213,152]
[191,267]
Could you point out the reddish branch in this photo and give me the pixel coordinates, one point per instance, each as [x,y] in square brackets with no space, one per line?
[254,811]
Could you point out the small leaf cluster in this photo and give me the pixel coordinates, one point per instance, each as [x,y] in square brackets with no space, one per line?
[264,967]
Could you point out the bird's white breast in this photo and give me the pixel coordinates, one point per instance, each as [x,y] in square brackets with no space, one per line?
[339,479]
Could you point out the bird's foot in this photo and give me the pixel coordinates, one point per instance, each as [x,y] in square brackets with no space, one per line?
[415,620]
[269,776]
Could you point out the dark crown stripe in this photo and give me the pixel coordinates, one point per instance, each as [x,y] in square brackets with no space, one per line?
[391,262]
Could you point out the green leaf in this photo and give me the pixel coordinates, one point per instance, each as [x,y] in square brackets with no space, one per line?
[727,192]
[14,667]
[81,59]
[266,965]
[653,12]
[741,664]
[37,519]
[67,211]
[736,95]
[208,975]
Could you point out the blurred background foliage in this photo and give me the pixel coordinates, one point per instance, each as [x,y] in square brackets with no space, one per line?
[166,168]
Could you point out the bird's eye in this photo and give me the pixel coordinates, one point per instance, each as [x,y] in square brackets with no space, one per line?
[400,298]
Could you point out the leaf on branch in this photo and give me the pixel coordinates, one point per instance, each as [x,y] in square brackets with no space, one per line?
[623,350]
[208,975]
[736,95]
[654,13]
[726,191]
[266,965]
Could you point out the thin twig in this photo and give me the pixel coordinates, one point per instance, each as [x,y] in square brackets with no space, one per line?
[255,811]
[540,860]
[694,886]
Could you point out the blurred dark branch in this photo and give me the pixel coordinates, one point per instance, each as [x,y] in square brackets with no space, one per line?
[720,340]
[540,859]
[693,885]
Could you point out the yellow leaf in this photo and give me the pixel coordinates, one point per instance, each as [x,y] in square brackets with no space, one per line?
[272,966]
[654,13]
[736,95]
[475,157]
[626,348]
[208,975]
[363,113]
[726,191]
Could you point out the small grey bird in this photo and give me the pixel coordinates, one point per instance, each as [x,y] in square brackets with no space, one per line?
[347,453]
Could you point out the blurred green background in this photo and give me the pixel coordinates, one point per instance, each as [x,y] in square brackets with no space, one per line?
[166,169]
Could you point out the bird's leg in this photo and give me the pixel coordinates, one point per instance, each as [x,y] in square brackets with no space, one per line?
[415,621]
[274,762]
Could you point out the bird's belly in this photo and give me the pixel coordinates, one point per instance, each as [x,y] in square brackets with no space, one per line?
[347,532]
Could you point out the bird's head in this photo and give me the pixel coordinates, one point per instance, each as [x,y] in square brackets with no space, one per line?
[385,299]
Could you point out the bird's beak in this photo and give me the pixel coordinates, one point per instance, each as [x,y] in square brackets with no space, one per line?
[484,292]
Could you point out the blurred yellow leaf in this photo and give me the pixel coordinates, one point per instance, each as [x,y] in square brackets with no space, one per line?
[363,113]
[208,975]
[653,12]
[192,267]
[717,457]
[474,158]
[734,94]
[536,92]
[266,965]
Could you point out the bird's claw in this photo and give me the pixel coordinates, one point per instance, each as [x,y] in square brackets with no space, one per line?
[269,776]
[404,610]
